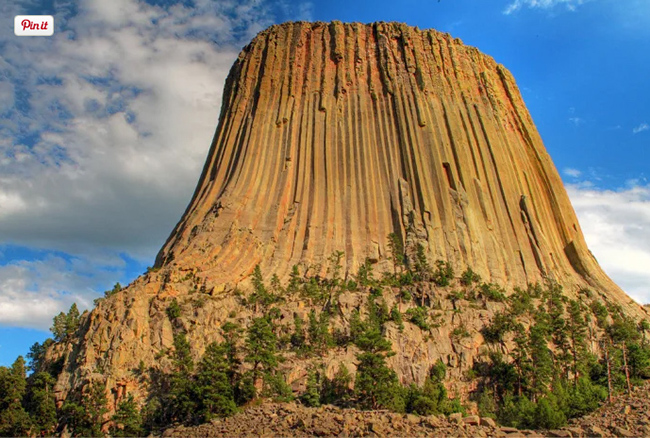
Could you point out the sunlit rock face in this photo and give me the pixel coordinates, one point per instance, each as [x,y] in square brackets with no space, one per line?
[331,137]
[334,135]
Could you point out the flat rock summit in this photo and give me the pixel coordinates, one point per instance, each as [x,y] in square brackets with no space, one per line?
[332,137]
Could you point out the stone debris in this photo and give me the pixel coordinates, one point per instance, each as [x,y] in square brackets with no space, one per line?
[292,419]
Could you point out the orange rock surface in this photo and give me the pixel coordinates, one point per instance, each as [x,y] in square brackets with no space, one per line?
[332,136]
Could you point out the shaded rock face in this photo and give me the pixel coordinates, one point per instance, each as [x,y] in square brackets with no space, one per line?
[334,135]
[331,137]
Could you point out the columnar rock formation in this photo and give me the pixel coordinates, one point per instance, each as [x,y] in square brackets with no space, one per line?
[334,135]
[331,137]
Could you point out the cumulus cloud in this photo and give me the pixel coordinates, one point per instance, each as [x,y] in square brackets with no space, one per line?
[542,4]
[616,224]
[32,292]
[108,122]
[642,127]
[104,128]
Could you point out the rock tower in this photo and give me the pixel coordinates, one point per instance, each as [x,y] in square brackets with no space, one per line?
[331,137]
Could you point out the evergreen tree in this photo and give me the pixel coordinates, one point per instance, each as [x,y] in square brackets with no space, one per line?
[422,267]
[261,347]
[215,394]
[376,385]
[231,333]
[261,295]
[179,402]
[432,397]
[39,402]
[295,280]
[577,333]
[521,359]
[311,396]
[174,310]
[72,320]
[85,418]
[116,288]
[127,419]
[541,371]
[396,249]
[555,308]
[365,275]
[14,420]
[298,335]
[36,355]
[337,390]
[58,328]
[319,336]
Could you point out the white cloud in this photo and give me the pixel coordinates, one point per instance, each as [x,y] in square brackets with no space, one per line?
[104,128]
[542,4]
[121,105]
[574,173]
[32,292]
[642,127]
[616,225]
[576,120]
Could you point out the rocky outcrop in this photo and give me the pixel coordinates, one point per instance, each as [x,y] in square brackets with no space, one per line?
[334,135]
[331,137]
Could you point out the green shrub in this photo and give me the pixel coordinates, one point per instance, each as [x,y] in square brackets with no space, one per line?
[173,310]
[469,277]
[419,316]
[492,292]
[443,274]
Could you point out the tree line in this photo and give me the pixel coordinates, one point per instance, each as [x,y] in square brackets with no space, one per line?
[547,358]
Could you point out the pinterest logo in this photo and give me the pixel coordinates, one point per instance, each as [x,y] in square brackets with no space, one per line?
[33,25]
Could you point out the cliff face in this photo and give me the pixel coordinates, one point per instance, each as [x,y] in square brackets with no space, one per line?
[334,135]
[331,137]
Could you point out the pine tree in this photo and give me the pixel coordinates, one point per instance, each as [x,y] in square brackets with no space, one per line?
[298,335]
[555,307]
[396,249]
[337,390]
[36,355]
[72,320]
[14,420]
[86,418]
[432,397]
[127,419]
[261,348]
[261,295]
[422,267]
[231,333]
[577,333]
[181,401]
[39,402]
[319,336]
[311,396]
[521,358]
[376,385]
[215,395]
[541,371]
[58,328]
[294,280]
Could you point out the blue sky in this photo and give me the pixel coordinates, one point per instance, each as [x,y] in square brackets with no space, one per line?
[105,125]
